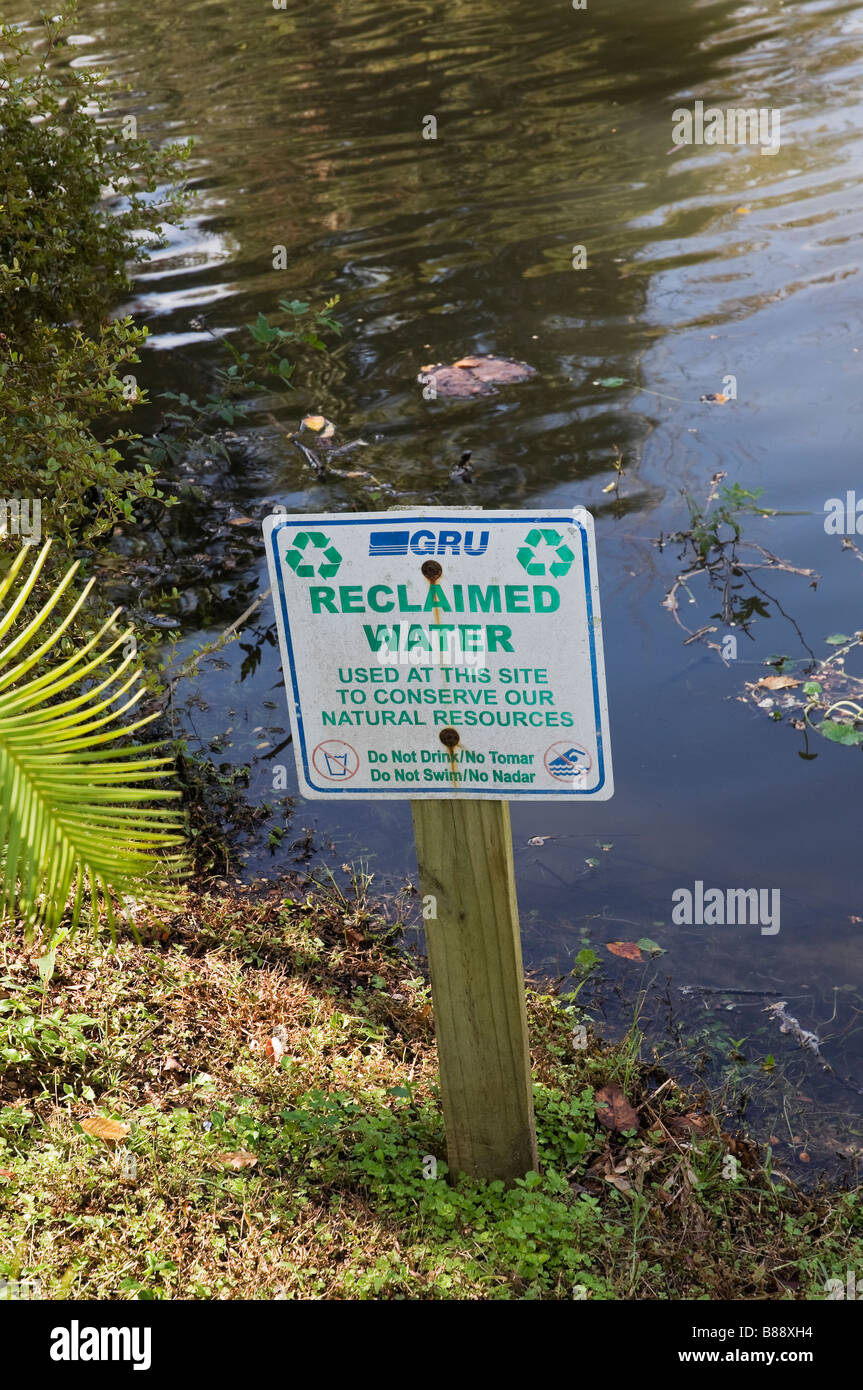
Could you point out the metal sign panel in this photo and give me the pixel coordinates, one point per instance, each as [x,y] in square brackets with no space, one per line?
[442,652]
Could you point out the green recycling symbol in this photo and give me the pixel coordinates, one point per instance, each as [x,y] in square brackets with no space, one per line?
[559,566]
[301,556]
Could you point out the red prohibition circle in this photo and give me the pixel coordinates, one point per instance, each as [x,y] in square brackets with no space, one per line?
[567,762]
[335,760]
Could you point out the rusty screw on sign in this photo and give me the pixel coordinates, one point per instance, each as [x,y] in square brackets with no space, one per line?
[432,572]
[449,739]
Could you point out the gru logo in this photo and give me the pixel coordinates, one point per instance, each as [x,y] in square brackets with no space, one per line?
[77,1343]
[383,544]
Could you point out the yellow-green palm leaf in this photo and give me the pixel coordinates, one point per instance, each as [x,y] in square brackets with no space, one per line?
[78,812]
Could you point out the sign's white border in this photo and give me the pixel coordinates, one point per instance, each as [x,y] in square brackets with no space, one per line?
[578,516]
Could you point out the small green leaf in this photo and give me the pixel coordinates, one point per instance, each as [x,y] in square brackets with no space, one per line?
[587,958]
[837,639]
[45,966]
[652,947]
[845,734]
[611,381]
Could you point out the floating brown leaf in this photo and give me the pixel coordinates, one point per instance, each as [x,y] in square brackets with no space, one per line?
[714,398]
[474,376]
[628,949]
[613,1109]
[318,424]
[777,682]
[240,1159]
[112,1131]
[501,370]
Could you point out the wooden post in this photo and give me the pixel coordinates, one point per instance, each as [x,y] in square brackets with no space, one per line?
[464,850]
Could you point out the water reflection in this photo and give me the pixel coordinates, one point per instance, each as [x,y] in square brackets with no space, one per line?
[554,130]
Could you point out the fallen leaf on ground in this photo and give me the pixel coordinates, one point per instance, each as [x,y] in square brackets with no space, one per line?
[613,1109]
[240,1159]
[7,1173]
[276,1044]
[777,682]
[474,376]
[714,398]
[627,949]
[112,1131]
[689,1124]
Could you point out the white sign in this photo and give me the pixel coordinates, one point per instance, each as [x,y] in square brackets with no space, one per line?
[442,652]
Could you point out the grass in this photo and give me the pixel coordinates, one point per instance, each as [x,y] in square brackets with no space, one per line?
[274,1060]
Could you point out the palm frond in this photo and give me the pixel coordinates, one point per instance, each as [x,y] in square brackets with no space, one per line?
[77,812]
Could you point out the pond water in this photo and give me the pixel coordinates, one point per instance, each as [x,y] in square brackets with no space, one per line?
[704,263]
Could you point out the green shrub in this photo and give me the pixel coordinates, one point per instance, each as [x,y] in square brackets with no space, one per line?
[78,203]
[72,186]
